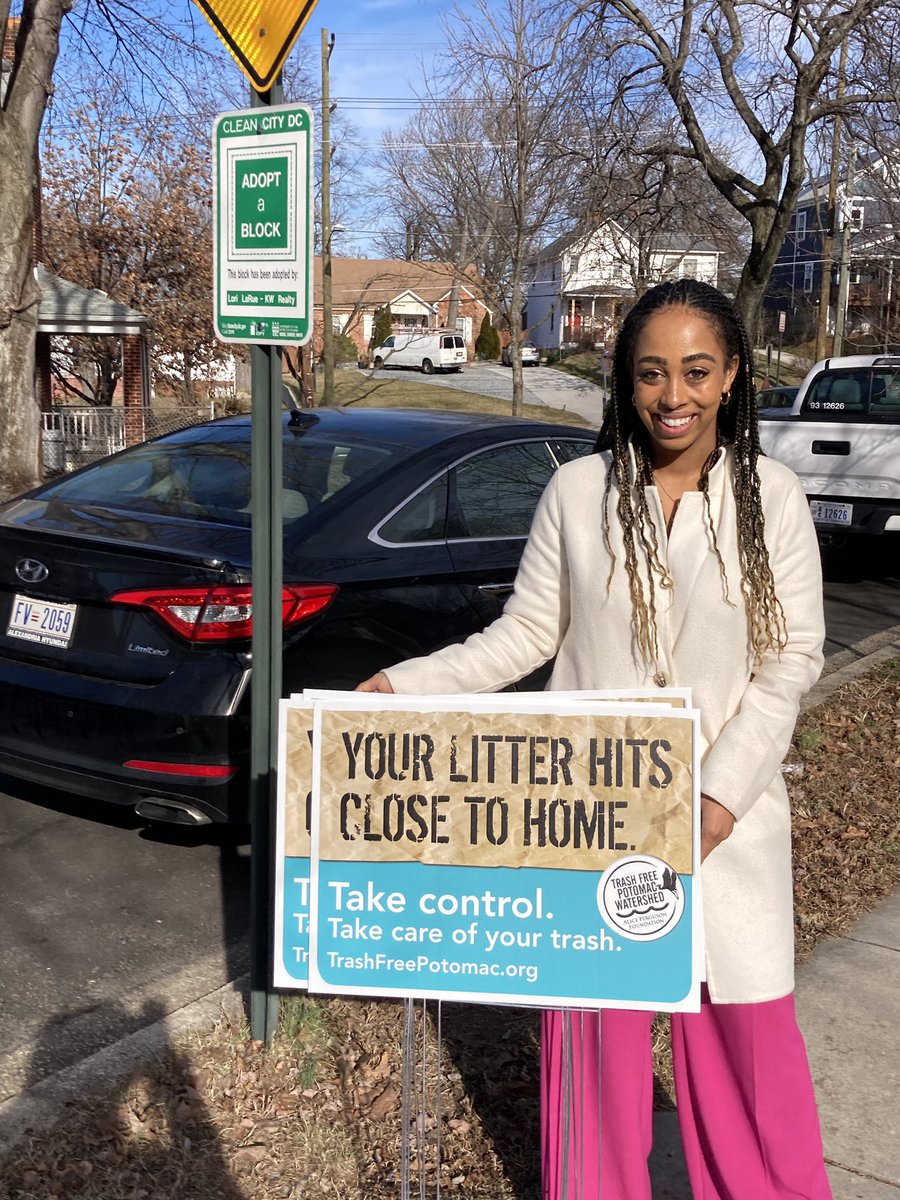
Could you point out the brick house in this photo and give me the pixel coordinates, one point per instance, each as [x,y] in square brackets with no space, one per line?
[418,294]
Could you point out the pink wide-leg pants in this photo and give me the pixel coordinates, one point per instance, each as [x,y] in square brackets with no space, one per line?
[746,1108]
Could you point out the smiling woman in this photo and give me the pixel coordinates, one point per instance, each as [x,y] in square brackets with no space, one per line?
[681,378]
[678,555]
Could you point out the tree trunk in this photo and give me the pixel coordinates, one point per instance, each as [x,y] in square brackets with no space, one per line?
[768,231]
[20,296]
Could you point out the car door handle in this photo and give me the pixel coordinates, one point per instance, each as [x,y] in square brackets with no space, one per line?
[496,589]
[821,447]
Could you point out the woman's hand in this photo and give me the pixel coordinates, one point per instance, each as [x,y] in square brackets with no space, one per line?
[716,824]
[377,683]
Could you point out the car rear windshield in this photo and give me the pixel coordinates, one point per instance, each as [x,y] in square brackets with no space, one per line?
[204,474]
[863,394]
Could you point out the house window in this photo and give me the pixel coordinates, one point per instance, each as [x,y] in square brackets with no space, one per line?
[690,268]
[575,263]
[800,224]
[808,277]
[856,217]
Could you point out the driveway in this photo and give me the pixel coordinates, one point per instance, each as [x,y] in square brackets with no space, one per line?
[543,386]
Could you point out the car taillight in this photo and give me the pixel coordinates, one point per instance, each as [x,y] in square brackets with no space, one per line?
[188,770]
[224,612]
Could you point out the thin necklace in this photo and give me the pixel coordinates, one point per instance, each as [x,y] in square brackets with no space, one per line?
[659,483]
[675,503]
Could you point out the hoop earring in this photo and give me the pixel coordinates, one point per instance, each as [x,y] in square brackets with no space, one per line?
[726,399]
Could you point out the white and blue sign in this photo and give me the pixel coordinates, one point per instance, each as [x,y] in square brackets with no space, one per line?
[529,850]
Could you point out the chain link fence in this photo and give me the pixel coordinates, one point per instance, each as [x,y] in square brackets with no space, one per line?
[75,435]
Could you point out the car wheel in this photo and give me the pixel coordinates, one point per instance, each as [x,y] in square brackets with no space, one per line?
[427,366]
[379,363]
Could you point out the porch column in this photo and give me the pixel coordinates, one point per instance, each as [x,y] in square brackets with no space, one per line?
[43,378]
[135,386]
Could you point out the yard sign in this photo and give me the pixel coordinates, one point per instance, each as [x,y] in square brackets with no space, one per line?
[522,850]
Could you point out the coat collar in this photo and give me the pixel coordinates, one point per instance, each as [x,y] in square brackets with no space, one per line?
[721,471]
[687,550]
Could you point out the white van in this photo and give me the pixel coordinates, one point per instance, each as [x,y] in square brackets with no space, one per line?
[428,350]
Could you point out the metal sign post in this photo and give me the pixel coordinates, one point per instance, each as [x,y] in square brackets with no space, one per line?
[265,683]
[266,228]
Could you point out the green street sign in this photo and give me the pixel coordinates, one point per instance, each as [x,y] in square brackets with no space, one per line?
[262,216]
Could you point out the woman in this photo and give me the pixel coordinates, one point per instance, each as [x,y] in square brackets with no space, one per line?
[678,555]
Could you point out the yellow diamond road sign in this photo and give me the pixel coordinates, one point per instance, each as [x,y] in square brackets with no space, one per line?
[259,33]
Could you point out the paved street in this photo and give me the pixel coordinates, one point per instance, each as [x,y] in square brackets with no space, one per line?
[543,385]
[106,926]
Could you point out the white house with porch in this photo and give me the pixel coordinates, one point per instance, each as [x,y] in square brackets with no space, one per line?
[582,284]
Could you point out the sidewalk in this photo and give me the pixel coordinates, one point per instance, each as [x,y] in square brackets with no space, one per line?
[848,1002]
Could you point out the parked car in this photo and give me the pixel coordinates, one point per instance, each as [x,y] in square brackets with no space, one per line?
[427,350]
[528,353]
[773,403]
[125,601]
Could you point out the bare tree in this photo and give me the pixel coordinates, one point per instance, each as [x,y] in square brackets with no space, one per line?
[752,77]
[483,172]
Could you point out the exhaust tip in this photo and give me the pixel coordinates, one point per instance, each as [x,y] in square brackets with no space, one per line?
[173,812]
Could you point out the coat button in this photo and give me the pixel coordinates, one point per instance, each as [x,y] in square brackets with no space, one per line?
[659,679]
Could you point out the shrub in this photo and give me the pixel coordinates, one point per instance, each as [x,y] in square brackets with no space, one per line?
[381,330]
[345,349]
[487,344]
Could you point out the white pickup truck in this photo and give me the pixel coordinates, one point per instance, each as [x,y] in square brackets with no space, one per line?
[842,438]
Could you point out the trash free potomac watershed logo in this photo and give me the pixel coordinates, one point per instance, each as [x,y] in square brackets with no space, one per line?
[641,898]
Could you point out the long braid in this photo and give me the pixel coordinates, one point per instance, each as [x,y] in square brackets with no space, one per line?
[764,611]
[623,435]
[631,490]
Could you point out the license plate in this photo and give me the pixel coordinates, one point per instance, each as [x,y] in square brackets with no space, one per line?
[824,512]
[41,621]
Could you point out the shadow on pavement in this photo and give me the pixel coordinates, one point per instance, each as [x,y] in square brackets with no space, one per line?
[100,904]
[149,1136]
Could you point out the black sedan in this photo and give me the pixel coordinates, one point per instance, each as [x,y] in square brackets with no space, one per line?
[125,601]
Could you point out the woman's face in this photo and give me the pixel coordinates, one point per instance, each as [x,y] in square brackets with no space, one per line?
[680,371]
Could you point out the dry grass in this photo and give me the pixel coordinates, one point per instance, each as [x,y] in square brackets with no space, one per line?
[409,390]
[320,1113]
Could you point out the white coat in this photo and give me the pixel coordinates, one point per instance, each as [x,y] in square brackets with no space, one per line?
[562,606]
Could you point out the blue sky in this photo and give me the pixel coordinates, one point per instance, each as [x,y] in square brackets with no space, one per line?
[376,65]
[379,46]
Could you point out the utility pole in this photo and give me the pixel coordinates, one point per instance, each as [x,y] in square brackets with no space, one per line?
[828,239]
[460,255]
[327,318]
[840,316]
